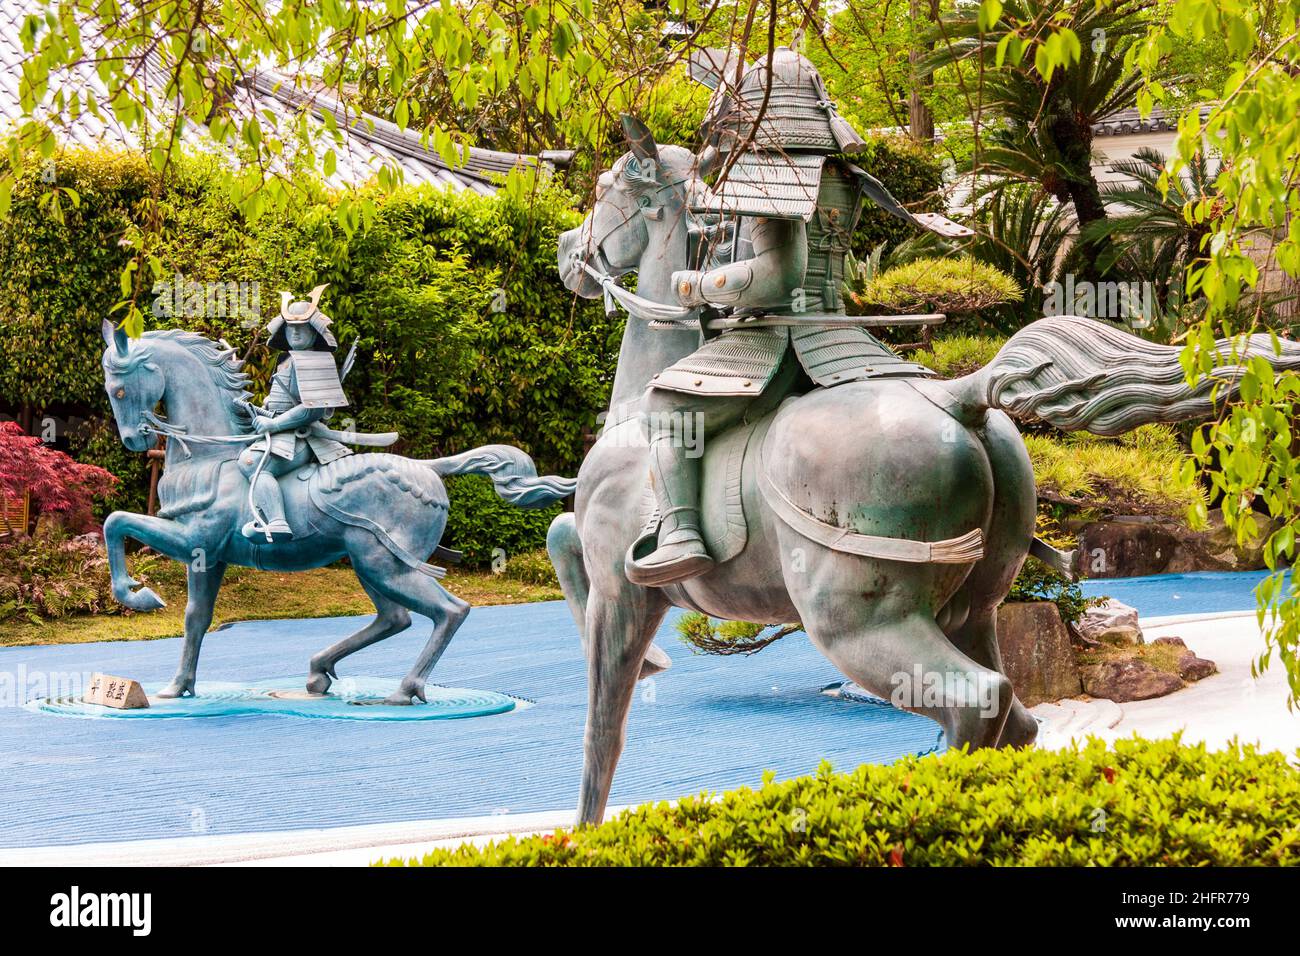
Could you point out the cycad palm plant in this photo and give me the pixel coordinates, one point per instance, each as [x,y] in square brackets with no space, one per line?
[1022,231]
[1146,227]
[1043,132]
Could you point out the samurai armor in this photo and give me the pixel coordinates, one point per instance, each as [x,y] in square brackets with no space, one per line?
[317,378]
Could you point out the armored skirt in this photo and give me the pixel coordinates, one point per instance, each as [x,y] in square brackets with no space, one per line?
[743,361]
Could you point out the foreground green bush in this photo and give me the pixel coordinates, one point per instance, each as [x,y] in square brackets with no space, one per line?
[1142,803]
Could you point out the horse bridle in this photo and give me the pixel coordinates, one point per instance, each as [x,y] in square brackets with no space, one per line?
[599,244]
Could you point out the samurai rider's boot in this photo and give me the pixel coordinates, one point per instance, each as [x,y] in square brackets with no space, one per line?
[268,505]
[680,553]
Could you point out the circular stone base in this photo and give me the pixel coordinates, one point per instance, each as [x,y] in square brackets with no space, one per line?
[286,697]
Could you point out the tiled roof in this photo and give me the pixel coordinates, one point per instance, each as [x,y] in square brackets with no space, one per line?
[1130,121]
[368,141]
[1123,123]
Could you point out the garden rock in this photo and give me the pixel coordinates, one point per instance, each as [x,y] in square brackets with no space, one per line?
[1246,557]
[1133,546]
[1190,667]
[1036,652]
[1111,622]
[1127,680]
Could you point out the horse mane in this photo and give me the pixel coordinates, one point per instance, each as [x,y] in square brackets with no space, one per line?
[223,364]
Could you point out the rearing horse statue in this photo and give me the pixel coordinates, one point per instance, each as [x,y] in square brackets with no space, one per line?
[889,516]
[385,513]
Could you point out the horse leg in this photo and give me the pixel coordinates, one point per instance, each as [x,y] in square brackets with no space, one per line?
[565,548]
[161,534]
[426,596]
[620,627]
[895,646]
[391,618]
[414,591]
[874,620]
[977,637]
[970,619]
[203,587]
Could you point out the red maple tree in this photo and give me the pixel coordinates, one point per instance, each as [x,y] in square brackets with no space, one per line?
[57,482]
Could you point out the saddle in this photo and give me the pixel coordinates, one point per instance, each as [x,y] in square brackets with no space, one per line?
[723,523]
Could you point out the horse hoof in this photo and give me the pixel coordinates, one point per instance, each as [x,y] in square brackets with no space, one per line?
[177,689]
[656,661]
[318,683]
[1021,730]
[407,693]
[142,600]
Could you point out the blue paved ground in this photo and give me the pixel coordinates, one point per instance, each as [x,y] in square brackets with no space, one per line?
[1205,592]
[709,723]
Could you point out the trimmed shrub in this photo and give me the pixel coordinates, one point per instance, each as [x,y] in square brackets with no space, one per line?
[1130,474]
[960,355]
[956,285]
[1165,804]
[532,567]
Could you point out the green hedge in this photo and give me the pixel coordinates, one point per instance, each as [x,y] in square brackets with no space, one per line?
[479,523]
[466,334]
[912,174]
[1142,803]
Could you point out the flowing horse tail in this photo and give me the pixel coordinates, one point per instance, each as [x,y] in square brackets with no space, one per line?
[513,474]
[1080,374]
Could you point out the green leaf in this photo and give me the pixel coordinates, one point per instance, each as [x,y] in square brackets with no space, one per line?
[989,13]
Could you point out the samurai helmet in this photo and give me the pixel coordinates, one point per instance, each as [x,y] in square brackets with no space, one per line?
[799,116]
[305,310]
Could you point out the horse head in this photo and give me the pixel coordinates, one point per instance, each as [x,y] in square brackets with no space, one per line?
[648,185]
[134,383]
[200,382]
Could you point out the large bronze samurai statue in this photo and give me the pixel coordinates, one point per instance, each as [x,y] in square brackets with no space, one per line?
[787,175]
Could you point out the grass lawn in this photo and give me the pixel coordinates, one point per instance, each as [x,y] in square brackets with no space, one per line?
[248,594]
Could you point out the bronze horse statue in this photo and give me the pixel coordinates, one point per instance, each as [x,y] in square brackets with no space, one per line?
[383,512]
[888,516]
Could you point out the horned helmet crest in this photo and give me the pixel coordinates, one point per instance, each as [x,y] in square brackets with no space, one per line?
[303,311]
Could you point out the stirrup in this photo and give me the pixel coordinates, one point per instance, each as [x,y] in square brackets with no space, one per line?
[650,564]
[274,531]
